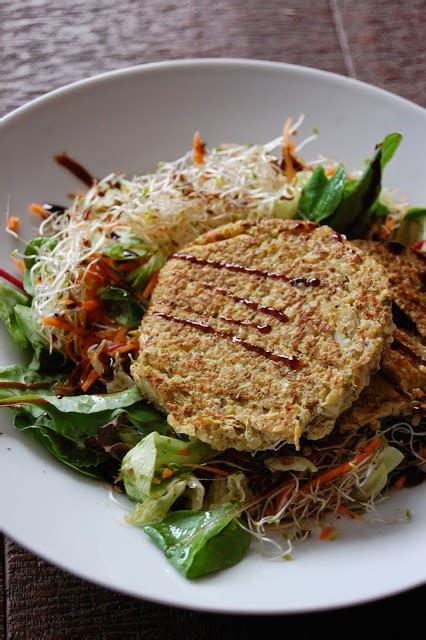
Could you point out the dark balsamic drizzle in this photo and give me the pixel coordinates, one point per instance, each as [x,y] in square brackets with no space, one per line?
[339,237]
[290,361]
[270,311]
[312,281]
[239,268]
[75,168]
[230,266]
[54,208]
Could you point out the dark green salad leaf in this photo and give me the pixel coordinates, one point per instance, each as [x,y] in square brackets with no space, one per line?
[345,204]
[123,307]
[353,214]
[414,213]
[74,428]
[199,542]
[379,210]
[322,196]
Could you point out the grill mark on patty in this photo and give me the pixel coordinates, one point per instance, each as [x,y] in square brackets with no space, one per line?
[311,281]
[291,361]
[270,311]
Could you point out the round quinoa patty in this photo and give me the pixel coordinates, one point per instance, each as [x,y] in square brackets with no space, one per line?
[260,332]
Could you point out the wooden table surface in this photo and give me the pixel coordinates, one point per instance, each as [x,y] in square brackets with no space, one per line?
[47,43]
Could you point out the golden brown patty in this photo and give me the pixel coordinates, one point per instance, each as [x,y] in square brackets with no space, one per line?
[406,270]
[399,388]
[259,332]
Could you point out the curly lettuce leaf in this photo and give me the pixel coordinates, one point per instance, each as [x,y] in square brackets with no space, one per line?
[197,543]
[153,463]
[186,487]
[386,462]
[233,488]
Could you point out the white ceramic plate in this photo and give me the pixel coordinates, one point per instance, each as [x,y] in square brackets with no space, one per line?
[128,120]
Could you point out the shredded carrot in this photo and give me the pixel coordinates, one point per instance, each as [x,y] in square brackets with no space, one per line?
[129,346]
[146,293]
[68,302]
[110,273]
[183,452]
[130,265]
[343,468]
[120,334]
[327,533]
[68,349]
[59,323]
[13,223]
[330,171]
[19,264]
[91,305]
[198,148]
[287,151]
[401,482]
[106,334]
[91,378]
[166,473]
[347,512]
[38,210]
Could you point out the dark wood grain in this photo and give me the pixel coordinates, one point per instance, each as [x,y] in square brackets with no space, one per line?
[387,44]
[2,593]
[47,604]
[48,43]
[45,44]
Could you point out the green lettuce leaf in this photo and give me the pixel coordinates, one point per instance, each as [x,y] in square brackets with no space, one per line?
[322,196]
[386,462]
[10,298]
[82,431]
[127,247]
[32,253]
[233,488]
[155,509]
[140,276]
[414,213]
[42,358]
[122,306]
[412,228]
[290,463]
[353,213]
[197,543]
[143,467]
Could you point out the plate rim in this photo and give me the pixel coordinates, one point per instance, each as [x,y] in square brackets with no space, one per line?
[214,62]
[202,62]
